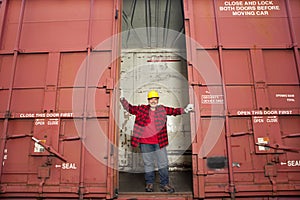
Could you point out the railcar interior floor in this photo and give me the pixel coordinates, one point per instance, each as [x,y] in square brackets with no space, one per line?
[134,182]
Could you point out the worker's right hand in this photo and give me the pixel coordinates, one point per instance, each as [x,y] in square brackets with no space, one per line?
[121,94]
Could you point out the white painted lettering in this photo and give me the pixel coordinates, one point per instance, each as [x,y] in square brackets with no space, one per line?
[69,166]
[257,112]
[285,112]
[293,163]
[241,112]
[290,100]
[258,120]
[52,122]
[52,115]
[66,114]
[262,13]
[39,122]
[40,115]
[268,8]
[265,3]
[265,112]
[226,8]
[27,115]
[243,13]
[253,3]
[233,3]
[270,112]
[272,120]
[240,8]
[281,95]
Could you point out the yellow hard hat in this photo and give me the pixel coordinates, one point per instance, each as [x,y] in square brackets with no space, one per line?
[153,94]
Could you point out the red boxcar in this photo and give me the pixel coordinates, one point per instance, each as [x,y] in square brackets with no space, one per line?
[63,133]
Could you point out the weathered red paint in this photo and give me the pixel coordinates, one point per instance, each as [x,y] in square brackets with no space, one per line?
[42,47]
[43,44]
[258,59]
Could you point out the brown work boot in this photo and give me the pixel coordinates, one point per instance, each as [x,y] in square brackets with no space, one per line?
[149,187]
[167,188]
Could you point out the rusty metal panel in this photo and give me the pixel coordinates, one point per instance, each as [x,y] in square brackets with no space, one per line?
[97,162]
[102,105]
[245,128]
[260,168]
[73,66]
[212,164]
[258,23]
[242,146]
[259,68]
[284,97]
[47,132]
[10,30]
[46,141]
[202,15]
[237,67]
[27,100]
[51,81]
[278,61]
[3,101]
[70,139]
[15,168]
[103,14]
[205,60]
[65,96]
[240,98]
[98,98]
[210,100]
[290,135]
[53,27]
[266,132]
[30,71]
[51,159]
[6,62]
[69,66]
[294,5]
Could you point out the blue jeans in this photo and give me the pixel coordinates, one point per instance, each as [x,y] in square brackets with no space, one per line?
[152,153]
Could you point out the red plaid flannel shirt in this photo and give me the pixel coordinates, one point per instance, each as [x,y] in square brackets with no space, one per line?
[142,119]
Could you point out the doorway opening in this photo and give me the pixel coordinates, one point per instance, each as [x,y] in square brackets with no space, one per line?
[154,57]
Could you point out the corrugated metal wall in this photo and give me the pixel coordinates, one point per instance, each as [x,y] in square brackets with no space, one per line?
[152,24]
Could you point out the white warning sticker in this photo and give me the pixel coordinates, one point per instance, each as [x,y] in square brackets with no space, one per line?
[39,148]
[263,141]
[212,99]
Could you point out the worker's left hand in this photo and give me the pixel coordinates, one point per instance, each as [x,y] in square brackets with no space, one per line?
[189,108]
[121,94]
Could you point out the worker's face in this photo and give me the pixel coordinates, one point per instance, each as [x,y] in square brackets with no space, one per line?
[153,102]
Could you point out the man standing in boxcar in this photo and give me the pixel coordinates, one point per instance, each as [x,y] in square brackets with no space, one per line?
[150,133]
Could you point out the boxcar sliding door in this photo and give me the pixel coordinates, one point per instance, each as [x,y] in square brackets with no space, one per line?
[243,64]
[57,73]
